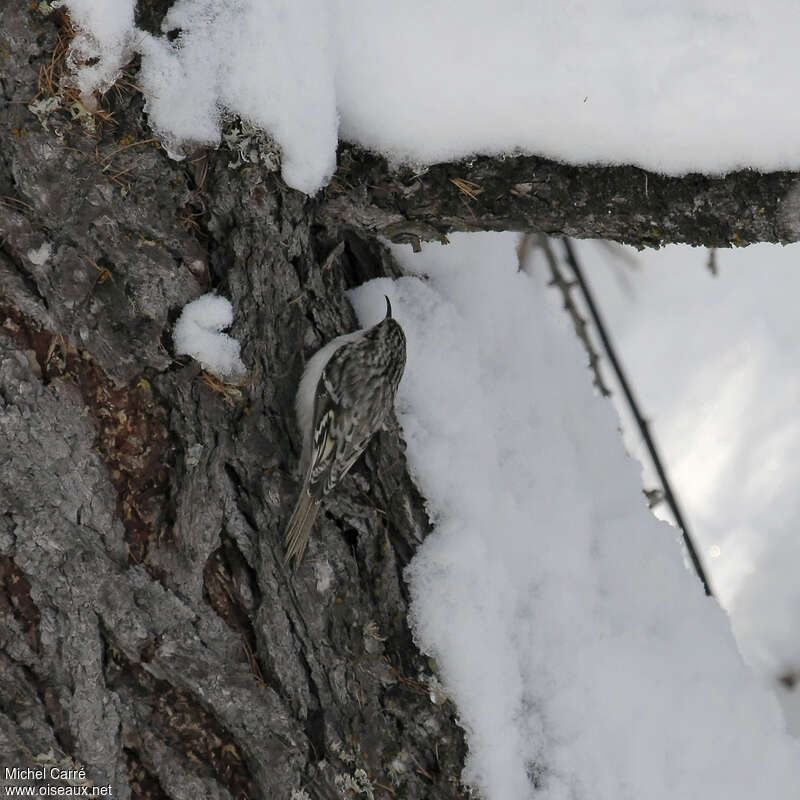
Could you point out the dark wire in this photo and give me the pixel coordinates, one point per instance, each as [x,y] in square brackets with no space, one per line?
[644,428]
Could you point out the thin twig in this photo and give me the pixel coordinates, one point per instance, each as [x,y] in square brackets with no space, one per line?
[712,261]
[644,428]
[558,280]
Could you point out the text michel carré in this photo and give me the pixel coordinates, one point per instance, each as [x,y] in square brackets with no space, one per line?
[54,773]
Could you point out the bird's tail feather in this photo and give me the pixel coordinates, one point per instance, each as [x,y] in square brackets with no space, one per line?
[299,529]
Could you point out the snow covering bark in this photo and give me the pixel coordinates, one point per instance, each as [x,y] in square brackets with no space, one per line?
[583,656]
[677,91]
[268,62]
[198,333]
[684,88]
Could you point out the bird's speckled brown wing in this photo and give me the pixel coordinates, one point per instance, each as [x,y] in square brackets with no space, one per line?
[354,397]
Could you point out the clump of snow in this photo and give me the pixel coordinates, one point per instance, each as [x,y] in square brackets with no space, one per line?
[270,63]
[672,87]
[585,660]
[39,255]
[197,334]
[103,42]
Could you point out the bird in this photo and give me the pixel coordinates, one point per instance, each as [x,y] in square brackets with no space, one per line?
[344,397]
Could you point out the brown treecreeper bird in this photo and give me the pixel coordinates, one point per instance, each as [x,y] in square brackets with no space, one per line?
[345,396]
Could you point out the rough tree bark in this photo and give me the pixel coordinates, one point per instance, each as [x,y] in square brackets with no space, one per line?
[529,193]
[149,631]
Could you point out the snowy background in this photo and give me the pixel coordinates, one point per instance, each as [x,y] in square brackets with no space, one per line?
[583,657]
[715,363]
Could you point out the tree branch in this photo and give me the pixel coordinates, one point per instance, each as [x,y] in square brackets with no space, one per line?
[528,193]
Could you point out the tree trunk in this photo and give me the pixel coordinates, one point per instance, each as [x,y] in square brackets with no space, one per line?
[149,630]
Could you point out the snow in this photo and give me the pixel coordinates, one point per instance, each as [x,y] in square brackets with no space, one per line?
[582,655]
[688,85]
[714,360]
[271,63]
[197,334]
[103,42]
[38,256]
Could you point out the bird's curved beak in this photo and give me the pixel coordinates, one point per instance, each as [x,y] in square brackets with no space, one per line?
[388,309]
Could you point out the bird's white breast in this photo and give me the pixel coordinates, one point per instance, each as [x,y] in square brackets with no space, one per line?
[307,390]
